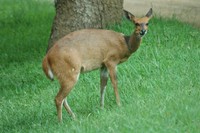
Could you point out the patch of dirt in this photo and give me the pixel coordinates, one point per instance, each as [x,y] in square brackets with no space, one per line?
[184,10]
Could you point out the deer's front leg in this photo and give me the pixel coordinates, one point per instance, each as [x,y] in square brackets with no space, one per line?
[103,81]
[113,76]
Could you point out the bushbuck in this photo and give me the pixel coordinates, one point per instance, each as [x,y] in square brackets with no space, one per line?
[89,49]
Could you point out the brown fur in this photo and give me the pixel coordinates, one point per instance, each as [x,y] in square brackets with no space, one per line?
[87,50]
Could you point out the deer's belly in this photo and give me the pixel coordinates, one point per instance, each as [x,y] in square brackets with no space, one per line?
[90,65]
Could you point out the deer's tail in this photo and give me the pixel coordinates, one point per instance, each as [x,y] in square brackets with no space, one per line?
[47,69]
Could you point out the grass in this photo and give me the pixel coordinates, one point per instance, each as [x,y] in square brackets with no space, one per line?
[159,85]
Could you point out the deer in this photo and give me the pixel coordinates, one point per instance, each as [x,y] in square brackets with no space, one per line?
[87,50]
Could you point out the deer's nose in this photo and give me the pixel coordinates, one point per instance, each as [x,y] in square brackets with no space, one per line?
[142,32]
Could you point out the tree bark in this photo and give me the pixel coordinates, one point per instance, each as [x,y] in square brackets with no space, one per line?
[74,15]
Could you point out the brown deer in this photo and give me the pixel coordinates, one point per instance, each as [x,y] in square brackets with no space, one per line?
[89,49]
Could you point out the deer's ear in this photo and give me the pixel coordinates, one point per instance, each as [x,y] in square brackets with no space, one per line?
[129,16]
[149,14]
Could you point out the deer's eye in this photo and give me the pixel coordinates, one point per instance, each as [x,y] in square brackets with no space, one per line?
[137,24]
[147,24]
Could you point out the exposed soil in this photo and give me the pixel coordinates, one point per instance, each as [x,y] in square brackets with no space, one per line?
[184,10]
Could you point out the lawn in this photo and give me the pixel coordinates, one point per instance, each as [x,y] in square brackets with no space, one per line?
[159,85]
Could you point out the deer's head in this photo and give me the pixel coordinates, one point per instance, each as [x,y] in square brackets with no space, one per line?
[141,24]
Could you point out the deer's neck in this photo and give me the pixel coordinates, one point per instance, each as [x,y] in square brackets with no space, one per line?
[133,42]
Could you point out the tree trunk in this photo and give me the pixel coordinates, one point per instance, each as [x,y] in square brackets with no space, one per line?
[73,15]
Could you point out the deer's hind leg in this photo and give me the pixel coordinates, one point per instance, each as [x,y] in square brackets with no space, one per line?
[67,82]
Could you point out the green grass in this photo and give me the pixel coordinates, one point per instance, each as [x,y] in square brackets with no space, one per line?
[158,85]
